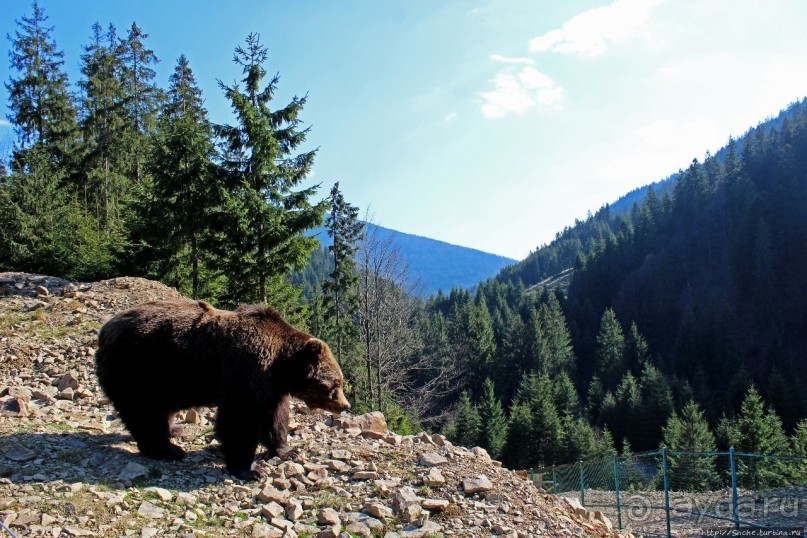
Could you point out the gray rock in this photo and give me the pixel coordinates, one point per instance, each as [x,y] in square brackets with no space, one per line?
[291,468]
[272,494]
[404,497]
[476,485]
[184,498]
[294,510]
[271,510]
[434,478]
[431,459]
[148,509]
[329,516]
[20,453]
[378,511]
[429,528]
[364,475]
[359,529]
[67,381]
[132,470]
[435,505]
[162,493]
[343,455]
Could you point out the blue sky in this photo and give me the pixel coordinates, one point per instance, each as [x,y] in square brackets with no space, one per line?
[490,124]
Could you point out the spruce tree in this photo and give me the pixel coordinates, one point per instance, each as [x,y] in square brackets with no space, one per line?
[610,350]
[546,429]
[557,354]
[187,187]
[341,298]
[690,432]
[105,160]
[517,450]
[142,96]
[467,424]
[757,430]
[43,226]
[482,343]
[268,237]
[579,440]
[40,107]
[798,443]
[493,422]
[564,395]
[655,408]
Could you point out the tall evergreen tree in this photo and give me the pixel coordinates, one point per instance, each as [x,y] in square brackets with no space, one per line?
[341,298]
[757,430]
[517,452]
[557,354]
[690,432]
[468,423]
[655,408]
[40,107]
[493,422]
[44,228]
[610,350]
[186,182]
[272,216]
[142,96]
[105,160]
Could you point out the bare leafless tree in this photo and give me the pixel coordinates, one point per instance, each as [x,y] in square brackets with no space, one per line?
[394,359]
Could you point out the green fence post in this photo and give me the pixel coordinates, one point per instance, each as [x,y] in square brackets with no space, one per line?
[582,485]
[734,504]
[554,480]
[616,489]
[666,489]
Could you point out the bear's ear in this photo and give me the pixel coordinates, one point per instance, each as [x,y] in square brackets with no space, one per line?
[310,356]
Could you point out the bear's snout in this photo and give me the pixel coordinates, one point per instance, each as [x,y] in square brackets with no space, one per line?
[341,402]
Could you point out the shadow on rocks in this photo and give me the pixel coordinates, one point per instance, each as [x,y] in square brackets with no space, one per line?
[108,459]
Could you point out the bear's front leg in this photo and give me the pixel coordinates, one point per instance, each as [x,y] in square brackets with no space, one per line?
[275,429]
[237,428]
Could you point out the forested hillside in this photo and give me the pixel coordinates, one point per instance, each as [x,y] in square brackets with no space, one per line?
[574,243]
[695,296]
[716,274]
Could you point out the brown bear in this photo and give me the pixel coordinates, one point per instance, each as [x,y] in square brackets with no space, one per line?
[163,356]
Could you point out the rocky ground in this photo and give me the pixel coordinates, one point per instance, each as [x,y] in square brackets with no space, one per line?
[69,468]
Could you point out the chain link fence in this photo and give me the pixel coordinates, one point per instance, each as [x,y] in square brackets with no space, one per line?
[673,493]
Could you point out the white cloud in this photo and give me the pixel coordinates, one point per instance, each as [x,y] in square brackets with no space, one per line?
[4,123]
[519,91]
[589,33]
[510,60]
[450,117]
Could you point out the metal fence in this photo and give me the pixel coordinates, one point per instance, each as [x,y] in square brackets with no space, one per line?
[673,493]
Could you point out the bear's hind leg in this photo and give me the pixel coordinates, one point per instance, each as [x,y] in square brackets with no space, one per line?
[237,430]
[149,427]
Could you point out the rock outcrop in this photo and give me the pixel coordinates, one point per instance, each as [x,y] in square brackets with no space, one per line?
[68,468]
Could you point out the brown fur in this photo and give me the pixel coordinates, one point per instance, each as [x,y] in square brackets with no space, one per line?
[164,356]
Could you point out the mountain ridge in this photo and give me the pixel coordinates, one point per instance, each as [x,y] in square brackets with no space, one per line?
[435,264]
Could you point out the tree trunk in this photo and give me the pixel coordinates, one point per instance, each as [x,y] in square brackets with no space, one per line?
[195,266]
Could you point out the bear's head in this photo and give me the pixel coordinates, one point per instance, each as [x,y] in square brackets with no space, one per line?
[322,385]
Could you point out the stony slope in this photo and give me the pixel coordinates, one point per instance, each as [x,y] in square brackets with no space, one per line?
[68,468]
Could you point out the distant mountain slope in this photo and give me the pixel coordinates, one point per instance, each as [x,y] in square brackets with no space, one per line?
[437,265]
[574,244]
[715,275]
